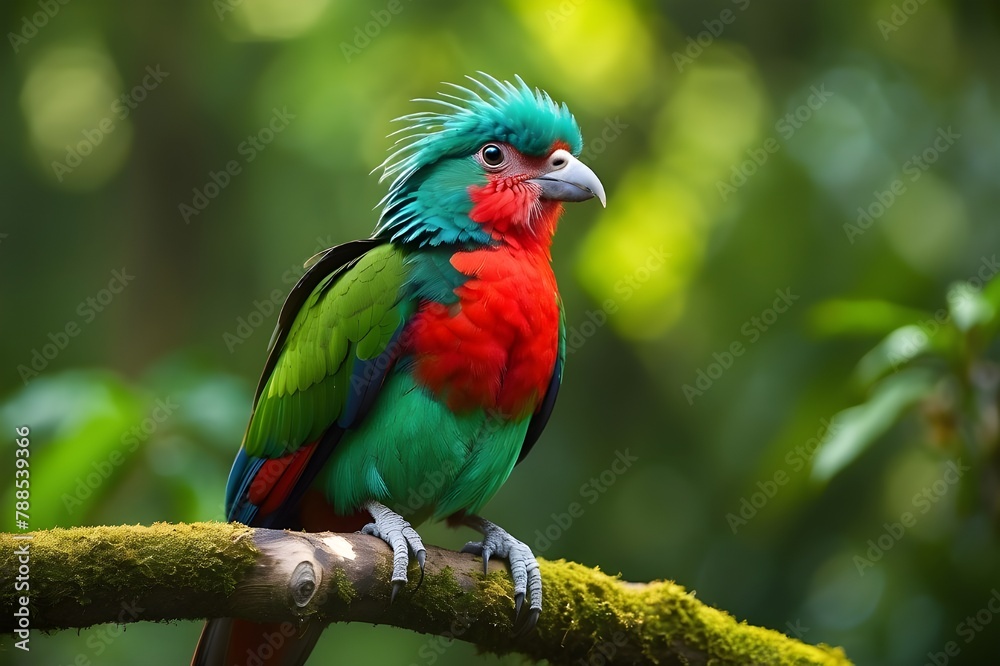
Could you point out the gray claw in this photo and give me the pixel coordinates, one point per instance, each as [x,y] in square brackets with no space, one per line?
[421,557]
[479,548]
[523,569]
[528,623]
[401,537]
[474,547]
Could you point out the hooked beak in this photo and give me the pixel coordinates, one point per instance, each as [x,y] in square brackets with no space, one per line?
[569,179]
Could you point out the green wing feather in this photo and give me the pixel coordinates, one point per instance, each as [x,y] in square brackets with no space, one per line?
[350,317]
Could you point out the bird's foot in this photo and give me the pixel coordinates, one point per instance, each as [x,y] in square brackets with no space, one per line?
[523,568]
[401,537]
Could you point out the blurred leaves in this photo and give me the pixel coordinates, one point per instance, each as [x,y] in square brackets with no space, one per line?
[923,362]
[723,183]
[860,317]
[77,421]
[857,428]
[94,436]
[970,308]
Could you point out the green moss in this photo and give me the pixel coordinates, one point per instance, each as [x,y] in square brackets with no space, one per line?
[585,609]
[586,613]
[342,587]
[652,618]
[440,599]
[86,565]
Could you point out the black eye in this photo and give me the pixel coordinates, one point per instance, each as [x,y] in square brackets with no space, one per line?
[492,155]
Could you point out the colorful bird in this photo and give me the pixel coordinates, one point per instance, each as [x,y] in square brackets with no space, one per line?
[409,372]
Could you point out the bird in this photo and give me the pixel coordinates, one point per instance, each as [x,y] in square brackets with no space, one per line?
[409,372]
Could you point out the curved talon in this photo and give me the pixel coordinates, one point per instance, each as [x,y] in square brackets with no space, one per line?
[528,624]
[393,529]
[478,548]
[523,569]
[421,557]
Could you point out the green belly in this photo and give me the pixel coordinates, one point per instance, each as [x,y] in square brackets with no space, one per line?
[419,458]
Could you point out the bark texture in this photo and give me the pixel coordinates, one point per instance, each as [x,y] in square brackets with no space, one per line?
[91,575]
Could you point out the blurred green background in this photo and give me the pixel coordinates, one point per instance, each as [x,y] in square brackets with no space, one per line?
[801,209]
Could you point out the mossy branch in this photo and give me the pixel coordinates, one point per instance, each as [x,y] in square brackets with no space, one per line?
[90,575]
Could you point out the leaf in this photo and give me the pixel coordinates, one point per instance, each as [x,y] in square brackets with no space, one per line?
[78,420]
[857,428]
[861,317]
[903,345]
[969,307]
[991,292]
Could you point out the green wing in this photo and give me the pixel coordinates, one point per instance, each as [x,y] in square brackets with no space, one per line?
[328,364]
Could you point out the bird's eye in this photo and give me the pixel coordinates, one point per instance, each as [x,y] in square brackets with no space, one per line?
[492,155]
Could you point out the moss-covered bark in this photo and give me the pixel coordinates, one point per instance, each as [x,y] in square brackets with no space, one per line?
[89,575]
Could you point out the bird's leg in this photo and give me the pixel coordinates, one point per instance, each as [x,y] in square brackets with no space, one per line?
[401,537]
[523,567]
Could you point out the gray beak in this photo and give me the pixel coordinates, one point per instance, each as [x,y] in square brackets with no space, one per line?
[569,179]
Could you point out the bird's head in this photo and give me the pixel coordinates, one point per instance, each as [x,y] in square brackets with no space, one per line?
[495,164]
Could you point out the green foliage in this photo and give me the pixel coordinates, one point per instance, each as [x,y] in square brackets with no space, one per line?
[845,152]
[934,360]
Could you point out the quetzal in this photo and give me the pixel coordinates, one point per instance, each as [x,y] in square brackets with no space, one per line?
[410,371]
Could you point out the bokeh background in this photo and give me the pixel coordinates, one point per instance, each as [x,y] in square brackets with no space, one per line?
[801,217]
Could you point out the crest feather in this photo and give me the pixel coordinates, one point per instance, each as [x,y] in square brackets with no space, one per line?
[488,110]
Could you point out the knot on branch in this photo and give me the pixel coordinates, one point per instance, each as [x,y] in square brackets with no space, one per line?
[80,576]
[304,583]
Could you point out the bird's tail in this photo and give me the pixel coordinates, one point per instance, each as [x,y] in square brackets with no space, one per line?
[229,642]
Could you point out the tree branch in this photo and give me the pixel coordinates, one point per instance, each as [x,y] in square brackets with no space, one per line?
[89,575]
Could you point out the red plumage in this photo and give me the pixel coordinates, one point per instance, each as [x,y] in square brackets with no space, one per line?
[506,323]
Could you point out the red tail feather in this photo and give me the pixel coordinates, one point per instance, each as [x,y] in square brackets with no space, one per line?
[228,642]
